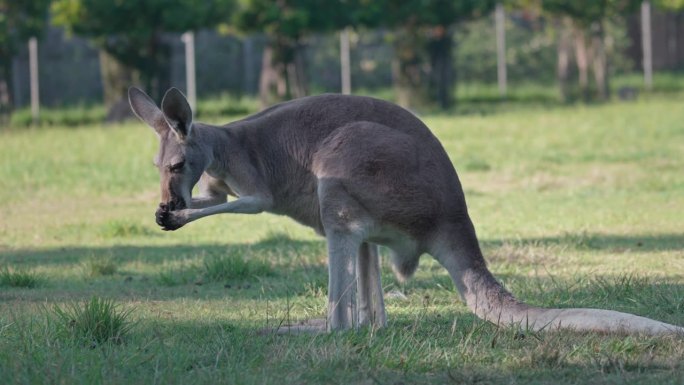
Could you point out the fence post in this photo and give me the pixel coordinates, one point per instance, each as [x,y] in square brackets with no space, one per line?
[33,74]
[500,21]
[647,44]
[190,81]
[345,66]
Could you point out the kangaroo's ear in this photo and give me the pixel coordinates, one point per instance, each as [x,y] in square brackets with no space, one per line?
[177,113]
[144,108]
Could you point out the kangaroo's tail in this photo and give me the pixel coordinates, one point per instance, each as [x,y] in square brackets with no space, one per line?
[492,302]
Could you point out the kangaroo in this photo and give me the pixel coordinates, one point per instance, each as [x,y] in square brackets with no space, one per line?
[361,172]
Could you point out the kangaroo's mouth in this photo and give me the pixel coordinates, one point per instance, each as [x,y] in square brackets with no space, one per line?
[174,204]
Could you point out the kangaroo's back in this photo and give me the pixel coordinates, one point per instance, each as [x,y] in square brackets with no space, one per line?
[290,135]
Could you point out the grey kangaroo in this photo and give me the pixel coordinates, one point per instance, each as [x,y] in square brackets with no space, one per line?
[361,172]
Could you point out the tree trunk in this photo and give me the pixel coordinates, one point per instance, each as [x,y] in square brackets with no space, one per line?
[564,52]
[157,73]
[582,58]
[272,84]
[5,91]
[296,73]
[406,68]
[442,77]
[599,60]
[116,78]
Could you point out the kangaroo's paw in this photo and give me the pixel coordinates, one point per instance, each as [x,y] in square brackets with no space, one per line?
[171,220]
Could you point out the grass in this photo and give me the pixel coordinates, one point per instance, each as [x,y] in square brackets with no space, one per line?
[575,206]
[99,266]
[18,278]
[92,323]
[233,267]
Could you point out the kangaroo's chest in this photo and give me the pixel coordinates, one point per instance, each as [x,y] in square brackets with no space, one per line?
[299,201]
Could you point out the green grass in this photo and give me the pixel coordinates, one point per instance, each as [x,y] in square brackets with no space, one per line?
[66,116]
[574,205]
[18,278]
[99,266]
[92,323]
[233,267]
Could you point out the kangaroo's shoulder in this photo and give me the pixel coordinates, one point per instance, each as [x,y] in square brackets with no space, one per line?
[306,122]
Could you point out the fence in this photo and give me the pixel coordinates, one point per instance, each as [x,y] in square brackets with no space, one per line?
[69,71]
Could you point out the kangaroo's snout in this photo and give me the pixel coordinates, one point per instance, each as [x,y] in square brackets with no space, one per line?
[173,205]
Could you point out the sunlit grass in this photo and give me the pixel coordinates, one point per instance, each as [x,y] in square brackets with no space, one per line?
[574,206]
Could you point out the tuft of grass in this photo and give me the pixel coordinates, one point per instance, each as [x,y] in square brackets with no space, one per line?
[166,278]
[316,288]
[94,322]
[18,278]
[99,266]
[233,266]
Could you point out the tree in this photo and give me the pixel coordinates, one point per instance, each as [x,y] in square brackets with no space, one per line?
[19,20]
[423,43]
[130,33]
[671,5]
[286,23]
[585,19]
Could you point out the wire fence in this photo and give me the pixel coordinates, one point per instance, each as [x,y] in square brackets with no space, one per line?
[69,67]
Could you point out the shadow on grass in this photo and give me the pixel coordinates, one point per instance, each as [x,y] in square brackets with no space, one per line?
[599,242]
[160,254]
[298,271]
[149,254]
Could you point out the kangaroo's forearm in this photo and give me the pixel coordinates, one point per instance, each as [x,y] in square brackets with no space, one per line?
[243,205]
[207,201]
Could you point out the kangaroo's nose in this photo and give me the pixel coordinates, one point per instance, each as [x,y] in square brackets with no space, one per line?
[172,205]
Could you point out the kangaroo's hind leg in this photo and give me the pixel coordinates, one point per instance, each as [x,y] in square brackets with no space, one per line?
[369,308]
[371,305]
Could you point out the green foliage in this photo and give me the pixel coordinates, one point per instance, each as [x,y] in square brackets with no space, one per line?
[293,19]
[671,5]
[138,20]
[18,278]
[131,31]
[19,20]
[94,322]
[589,11]
[416,13]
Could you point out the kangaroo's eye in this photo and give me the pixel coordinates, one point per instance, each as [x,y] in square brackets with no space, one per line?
[176,167]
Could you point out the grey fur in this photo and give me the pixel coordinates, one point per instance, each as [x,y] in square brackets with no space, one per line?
[361,172]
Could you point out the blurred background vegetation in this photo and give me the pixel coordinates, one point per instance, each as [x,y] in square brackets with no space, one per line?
[426,55]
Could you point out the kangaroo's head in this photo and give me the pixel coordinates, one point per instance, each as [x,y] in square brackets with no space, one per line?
[182,157]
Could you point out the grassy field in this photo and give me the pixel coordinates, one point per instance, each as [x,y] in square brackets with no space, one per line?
[574,206]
